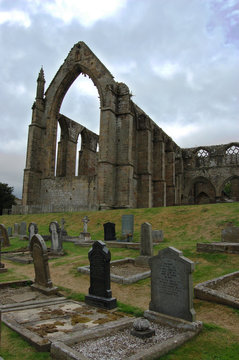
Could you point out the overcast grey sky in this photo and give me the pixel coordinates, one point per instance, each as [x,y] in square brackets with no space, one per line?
[179,58]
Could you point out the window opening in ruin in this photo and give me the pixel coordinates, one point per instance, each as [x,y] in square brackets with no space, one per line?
[233,150]
[227,189]
[58,137]
[230,191]
[82,104]
[202,153]
[78,148]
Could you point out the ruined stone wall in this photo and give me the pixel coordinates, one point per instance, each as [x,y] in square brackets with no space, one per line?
[131,163]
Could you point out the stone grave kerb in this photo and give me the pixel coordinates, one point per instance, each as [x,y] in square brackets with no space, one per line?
[39,254]
[4,236]
[171,284]
[99,291]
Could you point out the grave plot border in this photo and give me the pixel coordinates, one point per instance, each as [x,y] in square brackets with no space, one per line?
[120,279]
[203,291]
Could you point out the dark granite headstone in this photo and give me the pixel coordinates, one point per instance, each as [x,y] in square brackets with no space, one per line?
[230,234]
[99,292]
[128,227]
[171,284]
[109,231]
[4,236]
[39,253]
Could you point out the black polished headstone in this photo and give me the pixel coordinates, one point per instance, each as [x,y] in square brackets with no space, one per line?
[109,231]
[100,294]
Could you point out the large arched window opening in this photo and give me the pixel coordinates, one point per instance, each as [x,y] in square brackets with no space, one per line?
[230,189]
[202,192]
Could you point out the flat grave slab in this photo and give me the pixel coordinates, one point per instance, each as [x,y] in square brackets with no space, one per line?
[116,342]
[222,290]
[225,247]
[123,271]
[24,257]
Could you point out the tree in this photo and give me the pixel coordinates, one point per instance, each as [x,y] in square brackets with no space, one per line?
[7,199]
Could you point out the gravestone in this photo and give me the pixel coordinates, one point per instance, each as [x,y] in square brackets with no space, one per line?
[157,236]
[109,231]
[16,229]
[23,229]
[4,236]
[171,284]
[85,235]
[128,227]
[9,231]
[32,229]
[100,294]
[63,233]
[42,280]
[2,266]
[56,242]
[146,245]
[230,234]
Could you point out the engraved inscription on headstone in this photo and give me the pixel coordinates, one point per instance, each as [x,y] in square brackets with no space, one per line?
[171,284]
[4,236]
[128,227]
[39,253]
[99,291]
[109,231]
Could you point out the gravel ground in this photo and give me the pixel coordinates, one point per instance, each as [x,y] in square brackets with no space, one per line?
[121,345]
[230,287]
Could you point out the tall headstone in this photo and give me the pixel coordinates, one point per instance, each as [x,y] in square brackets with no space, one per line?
[99,292]
[128,227]
[157,236]
[85,235]
[32,230]
[63,233]
[23,229]
[9,231]
[4,236]
[109,231]
[42,281]
[171,284]
[146,245]
[16,229]
[56,242]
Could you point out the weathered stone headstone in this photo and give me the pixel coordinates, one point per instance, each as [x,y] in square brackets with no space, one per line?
[4,236]
[9,231]
[56,243]
[128,227]
[230,234]
[146,245]
[2,266]
[63,233]
[99,292]
[157,235]
[23,229]
[171,284]
[42,281]
[16,229]
[32,229]
[109,231]
[85,235]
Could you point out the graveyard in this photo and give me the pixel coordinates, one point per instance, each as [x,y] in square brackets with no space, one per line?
[183,228]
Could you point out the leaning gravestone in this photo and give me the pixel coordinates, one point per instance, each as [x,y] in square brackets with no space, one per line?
[4,236]
[16,229]
[42,281]
[230,234]
[146,245]
[109,231]
[23,229]
[99,292]
[128,227]
[171,284]
[32,229]
[56,243]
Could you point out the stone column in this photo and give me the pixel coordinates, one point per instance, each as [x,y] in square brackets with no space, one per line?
[170,178]
[159,184]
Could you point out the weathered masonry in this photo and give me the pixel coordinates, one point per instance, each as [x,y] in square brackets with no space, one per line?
[131,163]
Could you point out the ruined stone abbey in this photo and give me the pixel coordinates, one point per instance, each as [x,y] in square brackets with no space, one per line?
[132,163]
